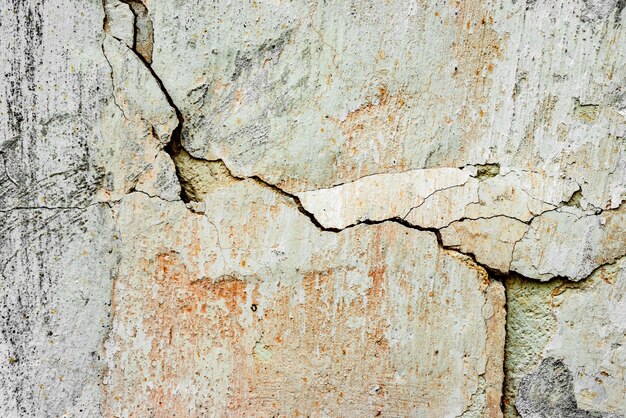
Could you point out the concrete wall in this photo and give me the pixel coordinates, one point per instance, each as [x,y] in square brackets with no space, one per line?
[325,208]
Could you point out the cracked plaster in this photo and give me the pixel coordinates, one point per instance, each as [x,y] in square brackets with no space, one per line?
[330,256]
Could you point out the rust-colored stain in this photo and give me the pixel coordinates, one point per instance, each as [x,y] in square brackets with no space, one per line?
[377,113]
[477,49]
[190,347]
[376,124]
[375,136]
[180,320]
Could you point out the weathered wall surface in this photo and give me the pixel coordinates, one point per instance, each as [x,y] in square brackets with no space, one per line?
[344,208]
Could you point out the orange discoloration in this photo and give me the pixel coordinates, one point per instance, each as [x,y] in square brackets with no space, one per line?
[376,123]
[182,321]
[239,97]
[324,336]
[477,48]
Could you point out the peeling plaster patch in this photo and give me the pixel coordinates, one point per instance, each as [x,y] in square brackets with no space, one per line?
[378,197]
[434,198]
[570,243]
[491,241]
[510,220]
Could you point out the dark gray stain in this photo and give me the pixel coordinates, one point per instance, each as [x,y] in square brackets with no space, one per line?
[548,392]
[594,10]
[44,148]
[45,162]
[23,53]
[619,7]
[602,10]
[270,49]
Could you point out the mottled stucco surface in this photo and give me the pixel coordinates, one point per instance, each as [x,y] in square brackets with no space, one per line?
[339,208]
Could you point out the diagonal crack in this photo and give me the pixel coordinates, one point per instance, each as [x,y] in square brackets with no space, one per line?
[175,138]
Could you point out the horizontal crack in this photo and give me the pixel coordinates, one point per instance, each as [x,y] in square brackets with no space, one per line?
[493,272]
[178,154]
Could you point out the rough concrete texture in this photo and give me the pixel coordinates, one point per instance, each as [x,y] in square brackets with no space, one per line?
[272,208]
[582,325]
[529,327]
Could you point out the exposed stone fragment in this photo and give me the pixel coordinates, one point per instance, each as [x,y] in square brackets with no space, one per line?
[570,243]
[511,193]
[580,324]
[549,392]
[378,197]
[490,240]
[530,325]
[199,178]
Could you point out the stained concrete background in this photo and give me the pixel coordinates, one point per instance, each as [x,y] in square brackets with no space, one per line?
[339,208]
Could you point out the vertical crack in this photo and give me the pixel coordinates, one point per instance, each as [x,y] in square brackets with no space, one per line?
[143,42]
[143,31]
